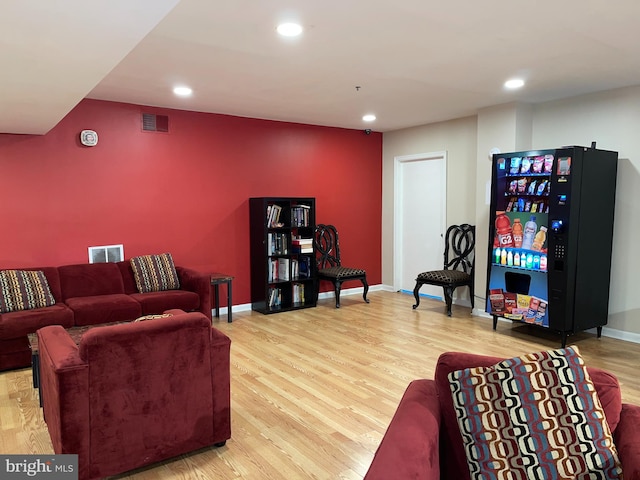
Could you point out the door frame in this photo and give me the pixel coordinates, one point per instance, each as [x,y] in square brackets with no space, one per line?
[398,163]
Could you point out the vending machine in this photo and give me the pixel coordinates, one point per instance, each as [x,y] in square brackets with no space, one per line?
[550,238]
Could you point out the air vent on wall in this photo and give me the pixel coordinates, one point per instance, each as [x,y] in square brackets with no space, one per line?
[155,123]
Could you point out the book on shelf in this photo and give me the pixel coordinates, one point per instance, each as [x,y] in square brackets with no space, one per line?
[273,269]
[302,241]
[277,244]
[273,215]
[298,293]
[300,215]
[283,269]
[302,245]
[304,267]
[275,297]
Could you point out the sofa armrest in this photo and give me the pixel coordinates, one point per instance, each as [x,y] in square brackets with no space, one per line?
[64,387]
[411,448]
[197,282]
[627,441]
[221,385]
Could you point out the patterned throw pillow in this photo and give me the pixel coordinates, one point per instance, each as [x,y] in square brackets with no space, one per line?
[536,416]
[24,290]
[153,317]
[154,273]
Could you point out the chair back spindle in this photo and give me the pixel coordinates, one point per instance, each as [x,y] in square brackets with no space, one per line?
[460,247]
[327,246]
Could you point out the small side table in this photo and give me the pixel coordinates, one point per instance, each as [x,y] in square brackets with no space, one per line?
[216,280]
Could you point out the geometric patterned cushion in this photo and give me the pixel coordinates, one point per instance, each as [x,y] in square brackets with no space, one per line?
[152,317]
[444,276]
[24,290]
[339,271]
[535,416]
[155,273]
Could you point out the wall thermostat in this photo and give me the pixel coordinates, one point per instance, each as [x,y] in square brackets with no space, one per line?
[89,138]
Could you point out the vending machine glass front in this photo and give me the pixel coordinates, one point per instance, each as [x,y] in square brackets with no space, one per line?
[518,257]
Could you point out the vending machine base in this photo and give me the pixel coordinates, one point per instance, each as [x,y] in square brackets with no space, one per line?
[563,334]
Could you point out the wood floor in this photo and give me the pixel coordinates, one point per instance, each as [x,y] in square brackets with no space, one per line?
[314,390]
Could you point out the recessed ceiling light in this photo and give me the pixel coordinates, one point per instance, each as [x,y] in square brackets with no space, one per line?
[514,83]
[289,29]
[369,117]
[182,91]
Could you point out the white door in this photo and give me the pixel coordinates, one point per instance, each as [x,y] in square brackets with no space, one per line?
[420,219]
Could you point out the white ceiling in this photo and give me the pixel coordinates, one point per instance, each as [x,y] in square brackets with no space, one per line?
[416,61]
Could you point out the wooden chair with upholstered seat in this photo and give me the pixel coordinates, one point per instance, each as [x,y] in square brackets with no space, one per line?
[459,262]
[329,264]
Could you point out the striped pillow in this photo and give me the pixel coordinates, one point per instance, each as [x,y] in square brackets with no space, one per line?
[24,290]
[535,416]
[155,273]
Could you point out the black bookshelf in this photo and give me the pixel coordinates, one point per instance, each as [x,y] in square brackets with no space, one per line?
[283,268]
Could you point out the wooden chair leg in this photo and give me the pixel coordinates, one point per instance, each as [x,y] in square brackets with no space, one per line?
[416,295]
[448,296]
[366,289]
[337,285]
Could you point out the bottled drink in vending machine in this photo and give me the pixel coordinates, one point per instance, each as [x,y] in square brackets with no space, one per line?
[498,254]
[543,262]
[539,239]
[516,231]
[529,261]
[529,233]
[503,229]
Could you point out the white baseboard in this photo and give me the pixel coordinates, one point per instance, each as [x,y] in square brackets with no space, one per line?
[351,291]
[476,312]
[246,307]
[619,334]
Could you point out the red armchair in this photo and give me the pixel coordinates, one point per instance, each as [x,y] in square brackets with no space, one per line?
[423,440]
[133,394]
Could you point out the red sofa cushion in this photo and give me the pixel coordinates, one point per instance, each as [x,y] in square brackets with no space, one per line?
[128,278]
[21,323]
[90,279]
[454,461]
[103,309]
[158,302]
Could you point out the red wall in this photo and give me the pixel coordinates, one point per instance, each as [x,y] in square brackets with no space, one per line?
[184,192]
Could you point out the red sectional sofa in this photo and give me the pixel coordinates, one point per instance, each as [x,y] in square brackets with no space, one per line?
[89,294]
